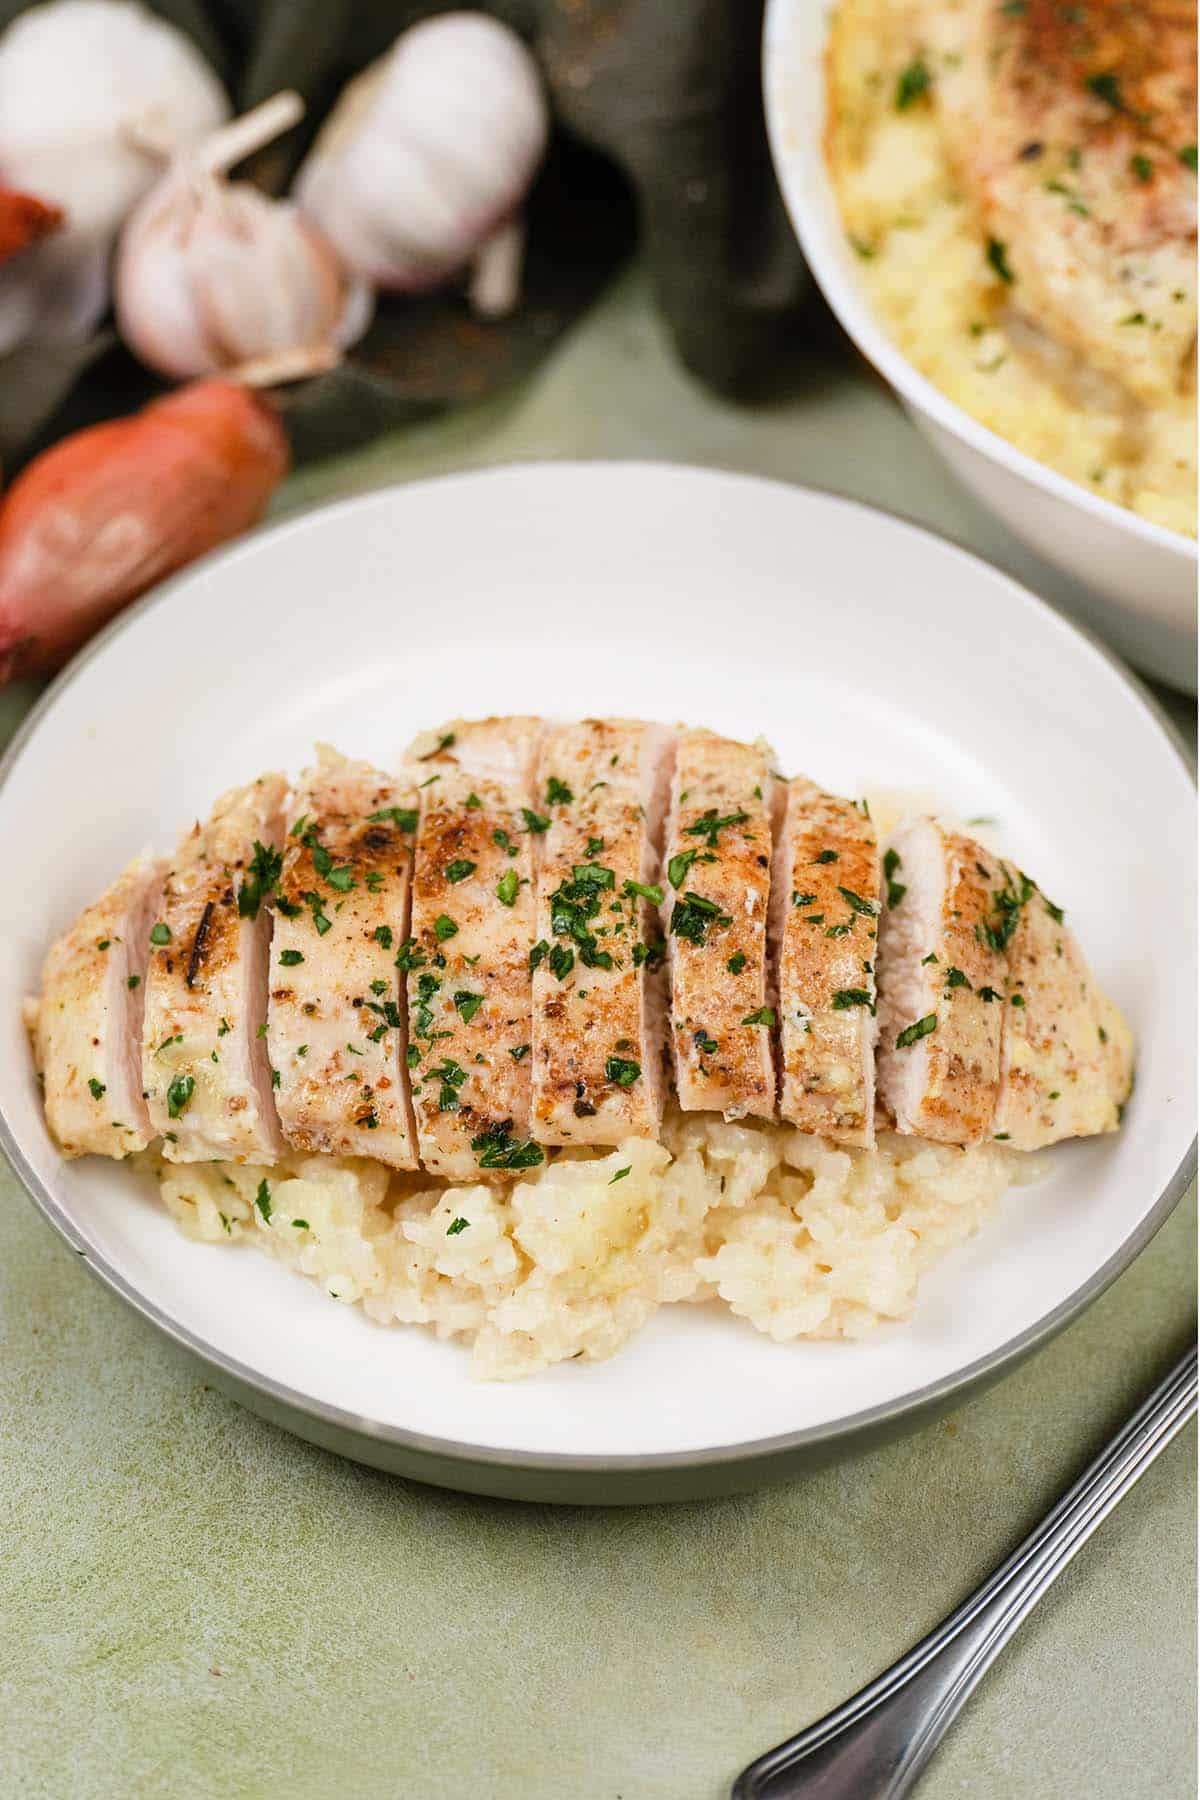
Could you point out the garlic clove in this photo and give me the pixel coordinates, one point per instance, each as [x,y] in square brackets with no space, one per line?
[73,74]
[429,154]
[212,274]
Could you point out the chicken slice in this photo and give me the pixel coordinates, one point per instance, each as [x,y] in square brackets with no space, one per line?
[597,998]
[942,977]
[205,1070]
[1066,1059]
[87,1027]
[335,1026]
[825,920]
[469,982]
[717,860]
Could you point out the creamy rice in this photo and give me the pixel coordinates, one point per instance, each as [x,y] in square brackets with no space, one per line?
[924,265]
[799,1238]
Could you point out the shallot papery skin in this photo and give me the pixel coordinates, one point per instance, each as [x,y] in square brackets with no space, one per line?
[104,514]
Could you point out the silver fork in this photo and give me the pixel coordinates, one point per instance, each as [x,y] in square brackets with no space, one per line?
[876,1746]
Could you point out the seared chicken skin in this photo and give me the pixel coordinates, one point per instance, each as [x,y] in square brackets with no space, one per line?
[942,973]
[1066,1055]
[1074,128]
[335,1025]
[717,862]
[469,979]
[205,1069]
[597,999]
[88,1027]
[825,923]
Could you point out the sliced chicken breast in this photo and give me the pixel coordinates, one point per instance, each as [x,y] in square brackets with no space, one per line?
[336,1026]
[87,1028]
[943,971]
[205,1070]
[825,923]
[717,861]
[1066,1057]
[469,980]
[597,994]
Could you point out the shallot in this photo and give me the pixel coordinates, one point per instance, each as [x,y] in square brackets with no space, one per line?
[423,166]
[103,514]
[212,274]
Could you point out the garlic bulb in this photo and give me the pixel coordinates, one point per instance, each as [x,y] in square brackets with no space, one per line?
[426,159]
[74,76]
[213,274]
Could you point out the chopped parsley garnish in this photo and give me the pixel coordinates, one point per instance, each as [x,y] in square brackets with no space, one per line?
[913,1033]
[262,1199]
[1018,1000]
[845,998]
[558,793]
[595,844]
[913,82]
[508,887]
[562,961]
[179,1093]
[856,903]
[1187,157]
[1107,87]
[1008,901]
[263,874]
[535,822]
[649,954]
[621,1174]
[637,890]
[412,1056]
[692,916]
[705,1043]
[382,934]
[501,838]
[404,818]
[679,865]
[1056,912]
[709,825]
[955,979]
[225,1028]
[826,856]
[764,1016]
[538,954]
[289,958]
[573,907]
[301,1225]
[98,1088]
[836,931]
[1133,318]
[1102,1034]
[467,1004]
[997,255]
[318,914]
[103,943]
[931,958]
[623,1070]
[989,994]
[342,879]
[1141,167]
[457,1225]
[519,1052]
[737,962]
[160,933]
[592,875]
[410,955]
[444,928]
[459,869]
[473,802]
[896,890]
[497,1149]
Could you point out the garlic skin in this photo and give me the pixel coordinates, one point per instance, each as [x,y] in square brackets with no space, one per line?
[421,170]
[212,274]
[75,75]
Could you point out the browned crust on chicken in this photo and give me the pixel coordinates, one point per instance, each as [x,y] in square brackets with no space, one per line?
[718,855]
[336,1024]
[597,1026]
[826,909]
[1067,1054]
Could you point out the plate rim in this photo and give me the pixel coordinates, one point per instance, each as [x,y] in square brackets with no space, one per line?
[884,355]
[886,1414]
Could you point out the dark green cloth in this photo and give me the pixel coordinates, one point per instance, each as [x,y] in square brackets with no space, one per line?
[659,135]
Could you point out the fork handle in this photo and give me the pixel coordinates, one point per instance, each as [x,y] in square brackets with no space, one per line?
[876,1745]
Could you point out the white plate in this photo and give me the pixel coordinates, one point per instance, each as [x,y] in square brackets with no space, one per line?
[1131,579]
[865,649]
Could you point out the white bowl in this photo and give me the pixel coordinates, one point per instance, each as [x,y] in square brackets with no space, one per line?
[1137,580]
[669,593]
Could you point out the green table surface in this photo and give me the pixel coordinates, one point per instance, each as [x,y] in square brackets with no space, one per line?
[195,1604]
